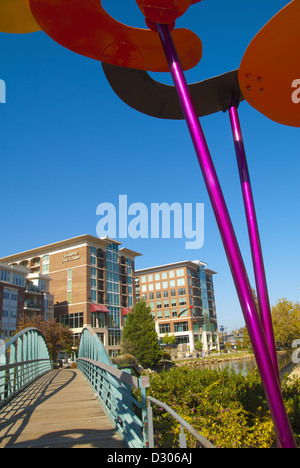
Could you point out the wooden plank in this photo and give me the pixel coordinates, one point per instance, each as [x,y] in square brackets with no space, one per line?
[58,410]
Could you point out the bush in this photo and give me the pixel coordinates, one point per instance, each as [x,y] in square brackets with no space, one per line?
[166,356]
[227,408]
[124,360]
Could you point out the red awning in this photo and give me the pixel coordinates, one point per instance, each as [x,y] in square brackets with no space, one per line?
[99,308]
[125,311]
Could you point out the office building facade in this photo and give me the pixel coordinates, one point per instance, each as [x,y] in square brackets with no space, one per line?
[181,297]
[22,292]
[91,281]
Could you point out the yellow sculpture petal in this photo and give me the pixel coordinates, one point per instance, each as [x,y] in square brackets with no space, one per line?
[16,17]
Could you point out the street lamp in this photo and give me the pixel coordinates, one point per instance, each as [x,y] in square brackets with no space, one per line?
[188,308]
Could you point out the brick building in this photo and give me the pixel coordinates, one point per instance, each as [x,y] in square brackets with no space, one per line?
[22,292]
[91,281]
[181,296]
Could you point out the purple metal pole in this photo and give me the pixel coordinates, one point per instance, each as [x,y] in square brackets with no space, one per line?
[257,256]
[264,362]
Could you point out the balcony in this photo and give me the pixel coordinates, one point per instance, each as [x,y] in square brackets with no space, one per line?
[31,305]
[31,288]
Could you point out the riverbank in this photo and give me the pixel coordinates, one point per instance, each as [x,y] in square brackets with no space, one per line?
[214,359]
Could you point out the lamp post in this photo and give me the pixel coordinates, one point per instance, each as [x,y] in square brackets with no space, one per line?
[188,308]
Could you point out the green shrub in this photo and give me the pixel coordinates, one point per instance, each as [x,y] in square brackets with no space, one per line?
[228,408]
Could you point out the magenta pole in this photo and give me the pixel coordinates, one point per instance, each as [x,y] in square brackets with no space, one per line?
[256,250]
[264,362]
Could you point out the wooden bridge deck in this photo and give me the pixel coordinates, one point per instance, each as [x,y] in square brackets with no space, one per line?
[59,410]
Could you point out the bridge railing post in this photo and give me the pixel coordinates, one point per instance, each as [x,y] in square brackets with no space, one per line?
[150,425]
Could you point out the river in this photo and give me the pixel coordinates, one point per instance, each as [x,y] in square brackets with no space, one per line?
[246,365]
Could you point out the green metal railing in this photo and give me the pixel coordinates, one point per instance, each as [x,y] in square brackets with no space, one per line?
[23,358]
[202,441]
[114,388]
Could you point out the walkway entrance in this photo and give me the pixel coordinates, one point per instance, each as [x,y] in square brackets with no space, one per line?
[59,410]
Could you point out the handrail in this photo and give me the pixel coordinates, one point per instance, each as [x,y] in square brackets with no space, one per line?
[23,358]
[113,387]
[183,425]
[120,374]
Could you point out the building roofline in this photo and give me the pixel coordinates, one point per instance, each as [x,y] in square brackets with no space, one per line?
[129,252]
[61,244]
[17,268]
[187,263]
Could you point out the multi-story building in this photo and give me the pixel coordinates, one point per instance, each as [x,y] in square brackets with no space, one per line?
[181,296]
[22,292]
[91,281]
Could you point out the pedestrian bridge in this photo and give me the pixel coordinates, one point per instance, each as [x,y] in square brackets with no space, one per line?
[94,406]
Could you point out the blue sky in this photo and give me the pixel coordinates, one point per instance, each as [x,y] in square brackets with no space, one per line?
[68,144]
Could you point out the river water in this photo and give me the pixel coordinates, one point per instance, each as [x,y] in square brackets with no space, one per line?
[246,365]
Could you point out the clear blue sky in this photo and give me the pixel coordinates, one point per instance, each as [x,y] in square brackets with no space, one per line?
[68,144]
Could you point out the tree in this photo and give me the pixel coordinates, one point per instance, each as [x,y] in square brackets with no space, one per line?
[57,337]
[169,340]
[286,321]
[140,337]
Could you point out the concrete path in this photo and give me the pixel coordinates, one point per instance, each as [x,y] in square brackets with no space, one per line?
[59,410]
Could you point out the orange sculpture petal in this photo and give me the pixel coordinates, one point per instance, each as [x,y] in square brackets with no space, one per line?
[269,73]
[86,28]
[16,17]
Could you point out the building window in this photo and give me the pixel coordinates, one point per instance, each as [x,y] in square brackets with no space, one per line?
[150,278]
[18,280]
[173,292]
[165,284]
[112,275]
[158,304]
[98,320]
[166,304]
[174,302]
[172,283]
[174,312]
[157,277]
[151,296]
[181,292]
[182,301]
[167,314]
[114,319]
[72,320]
[9,312]
[5,276]
[157,286]
[181,282]
[114,337]
[181,327]
[183,311]
[166,293]
[171,274]
[182,339]
[158,295]
[45,269]
[143,279]
[159,314]
[180,272]
[165,328]
[69,286]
